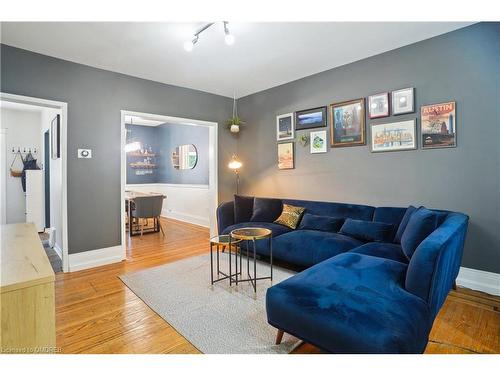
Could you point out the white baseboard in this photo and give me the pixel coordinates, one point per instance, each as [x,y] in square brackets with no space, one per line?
[483,281]
[198,220]
[95,258]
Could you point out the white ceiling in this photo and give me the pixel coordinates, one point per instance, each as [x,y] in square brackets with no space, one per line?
[264,54]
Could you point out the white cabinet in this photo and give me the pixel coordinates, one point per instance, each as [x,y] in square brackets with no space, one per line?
[35,199]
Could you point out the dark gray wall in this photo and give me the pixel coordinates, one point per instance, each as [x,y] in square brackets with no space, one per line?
[462,66]
[148,136]
[95,98]
[172,135]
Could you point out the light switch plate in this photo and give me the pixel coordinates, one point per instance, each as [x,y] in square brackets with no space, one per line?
[84,153]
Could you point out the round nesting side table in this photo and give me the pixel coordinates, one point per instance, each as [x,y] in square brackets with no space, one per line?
[223,241]
[251,235]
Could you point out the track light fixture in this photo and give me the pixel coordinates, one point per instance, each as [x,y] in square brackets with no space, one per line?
[228,37]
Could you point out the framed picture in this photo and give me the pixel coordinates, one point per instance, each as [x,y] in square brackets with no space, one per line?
[438,125]
[403,101]
[285,156]
[284,127]
[55,143]
[394,136]
[318,142]
[378,105]
[347,123]
[310,118]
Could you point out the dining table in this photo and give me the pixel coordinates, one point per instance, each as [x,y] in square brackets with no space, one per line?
[130,196]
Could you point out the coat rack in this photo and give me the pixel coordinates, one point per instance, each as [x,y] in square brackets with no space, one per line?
[24,150]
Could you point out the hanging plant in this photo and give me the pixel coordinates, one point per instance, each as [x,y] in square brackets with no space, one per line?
[304,140]
[235,122]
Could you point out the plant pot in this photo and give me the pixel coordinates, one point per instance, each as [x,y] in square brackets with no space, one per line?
[235,128]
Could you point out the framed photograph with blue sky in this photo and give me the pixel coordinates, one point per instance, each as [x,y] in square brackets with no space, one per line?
[310,118]
[284,127]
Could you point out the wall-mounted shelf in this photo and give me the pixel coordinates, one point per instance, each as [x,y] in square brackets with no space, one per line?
[138,154]
[141,165]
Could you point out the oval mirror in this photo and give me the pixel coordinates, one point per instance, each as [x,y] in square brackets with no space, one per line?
[185,157]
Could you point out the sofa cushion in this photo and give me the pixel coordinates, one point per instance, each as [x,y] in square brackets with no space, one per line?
[290,217]
[351,303]
[308,247]
[422,223]
[384,250]
[353,211]
[390,215]
[243,208]
[404,222]
[321,223]
[368,230]
[266,209]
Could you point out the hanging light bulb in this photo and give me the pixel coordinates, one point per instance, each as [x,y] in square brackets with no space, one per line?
[189,45]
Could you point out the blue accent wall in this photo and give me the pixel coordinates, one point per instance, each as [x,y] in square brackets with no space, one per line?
[163,139]
[148,136]
[173,135]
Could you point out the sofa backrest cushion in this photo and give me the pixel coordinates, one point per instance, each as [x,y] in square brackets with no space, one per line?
[370,231]
[390,215]
[344,210]
[266,209]
[404,222]
[321,223]
[422,223]
[243,208]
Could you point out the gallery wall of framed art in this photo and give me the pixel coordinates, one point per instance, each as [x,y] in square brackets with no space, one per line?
[348,125]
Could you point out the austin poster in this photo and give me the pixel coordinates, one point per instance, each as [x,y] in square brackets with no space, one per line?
[439,126]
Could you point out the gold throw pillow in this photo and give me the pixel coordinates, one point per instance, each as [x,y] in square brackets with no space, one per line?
[290,217]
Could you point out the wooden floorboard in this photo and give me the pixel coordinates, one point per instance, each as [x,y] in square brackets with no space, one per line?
[97,313]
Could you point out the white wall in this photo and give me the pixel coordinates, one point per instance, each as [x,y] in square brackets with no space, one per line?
[55,177]
[22,130]
[189,203]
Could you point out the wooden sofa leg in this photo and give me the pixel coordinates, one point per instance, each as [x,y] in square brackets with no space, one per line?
[279,336]
[454,287]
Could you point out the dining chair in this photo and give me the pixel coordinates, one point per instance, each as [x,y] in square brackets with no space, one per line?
[146,208]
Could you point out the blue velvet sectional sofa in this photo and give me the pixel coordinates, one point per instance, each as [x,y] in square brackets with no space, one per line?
[373,279]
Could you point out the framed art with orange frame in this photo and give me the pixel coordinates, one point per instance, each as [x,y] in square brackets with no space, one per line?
[347,123]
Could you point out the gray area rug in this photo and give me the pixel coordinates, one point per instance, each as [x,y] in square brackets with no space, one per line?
[215,319]
[54,259]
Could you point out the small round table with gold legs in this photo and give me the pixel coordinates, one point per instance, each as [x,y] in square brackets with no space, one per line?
[250,235]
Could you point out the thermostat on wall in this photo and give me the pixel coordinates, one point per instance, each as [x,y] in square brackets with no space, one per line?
[84,153]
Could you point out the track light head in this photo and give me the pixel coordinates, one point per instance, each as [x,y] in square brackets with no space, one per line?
[189,45]
[228,38]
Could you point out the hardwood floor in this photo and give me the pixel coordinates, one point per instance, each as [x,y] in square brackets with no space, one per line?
[97,313]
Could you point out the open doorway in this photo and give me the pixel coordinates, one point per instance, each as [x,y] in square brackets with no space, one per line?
[172,157]
[33,170]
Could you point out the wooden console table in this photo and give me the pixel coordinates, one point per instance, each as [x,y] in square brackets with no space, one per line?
[27,292]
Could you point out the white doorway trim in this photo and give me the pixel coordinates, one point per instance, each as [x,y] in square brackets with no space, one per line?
[212,162]
[63,107]
[3,177]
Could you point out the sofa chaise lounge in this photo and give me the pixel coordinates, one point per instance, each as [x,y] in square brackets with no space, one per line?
[373,278]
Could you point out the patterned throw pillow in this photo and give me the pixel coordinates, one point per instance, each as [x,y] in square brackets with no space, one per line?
[290,216]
